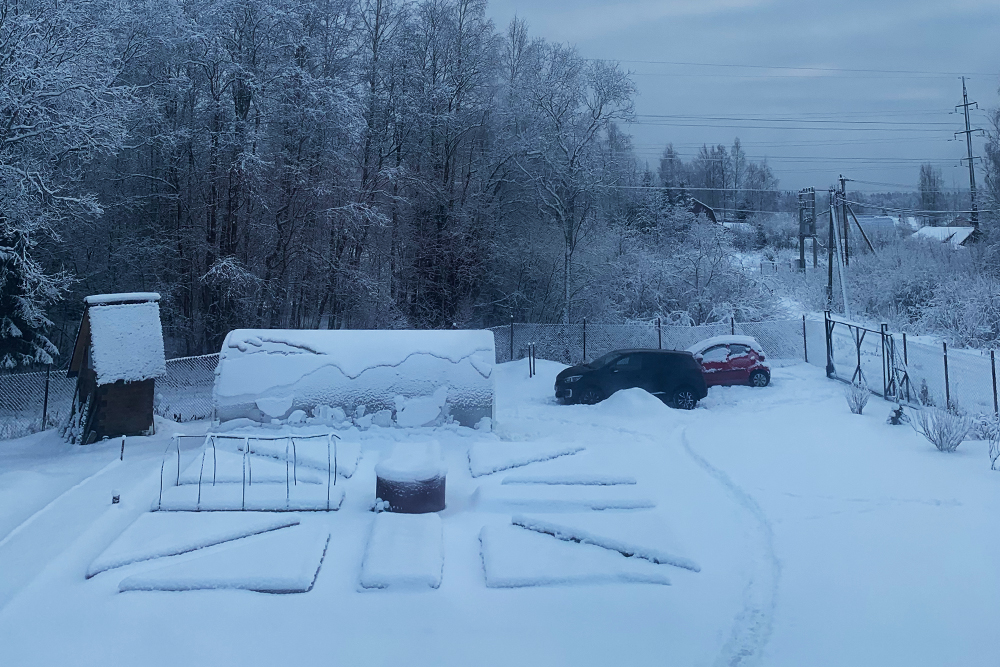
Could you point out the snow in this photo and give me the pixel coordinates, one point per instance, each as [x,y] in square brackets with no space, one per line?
[583,479]
[489,457]
[160,534]
[261,497]
[282,561]
[956,236]
[126,342]
[404,551]
[514,557]
[423,375]
[628,533]
[308,452]
[225,467]
[552,498]
[122,297]
[412,462]
[823,538]
[703,345]
[420,411]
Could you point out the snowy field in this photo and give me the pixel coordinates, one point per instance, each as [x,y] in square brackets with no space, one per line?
[767,527]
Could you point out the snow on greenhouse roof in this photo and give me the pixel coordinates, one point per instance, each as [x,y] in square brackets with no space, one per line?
[126,342]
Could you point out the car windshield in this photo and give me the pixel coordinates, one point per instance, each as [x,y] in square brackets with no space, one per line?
[604,360]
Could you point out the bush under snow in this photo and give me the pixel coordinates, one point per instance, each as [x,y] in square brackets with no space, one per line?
[945,430]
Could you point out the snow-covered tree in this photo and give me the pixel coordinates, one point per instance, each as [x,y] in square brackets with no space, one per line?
[61,108]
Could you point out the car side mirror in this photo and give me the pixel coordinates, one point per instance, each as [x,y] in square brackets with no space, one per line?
[699,358]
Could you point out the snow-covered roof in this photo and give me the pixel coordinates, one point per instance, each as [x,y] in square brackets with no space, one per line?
[123,297]
[953,235]
[126,342]
[877,224]
[703,345]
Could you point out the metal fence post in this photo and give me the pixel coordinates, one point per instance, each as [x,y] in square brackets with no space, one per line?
[906,360]
[45,403]
[947,388]
[512,338]
[805,343]
[732,326]
[828,329]
[659,338]
[993,368]
[886,359]
[585,340]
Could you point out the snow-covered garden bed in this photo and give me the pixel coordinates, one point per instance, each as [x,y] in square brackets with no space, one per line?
[767,527]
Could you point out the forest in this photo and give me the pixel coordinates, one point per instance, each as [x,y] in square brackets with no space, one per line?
[364,164]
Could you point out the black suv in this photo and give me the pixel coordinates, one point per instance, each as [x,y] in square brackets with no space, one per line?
[673,376]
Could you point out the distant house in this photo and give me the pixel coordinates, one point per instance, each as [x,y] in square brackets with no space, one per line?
[699,208]
[117,357]
[956,236]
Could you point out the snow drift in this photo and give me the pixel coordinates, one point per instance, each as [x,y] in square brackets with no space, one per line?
[418,377]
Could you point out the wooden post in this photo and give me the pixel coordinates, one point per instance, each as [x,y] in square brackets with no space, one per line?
[659,338]
[732,326]
[585,340]
[905,359]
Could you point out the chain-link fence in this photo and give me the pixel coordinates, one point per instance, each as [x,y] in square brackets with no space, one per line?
[183,394]
[23,408]
[576,343]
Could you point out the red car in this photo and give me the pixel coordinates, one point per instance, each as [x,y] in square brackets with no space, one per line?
[729,360]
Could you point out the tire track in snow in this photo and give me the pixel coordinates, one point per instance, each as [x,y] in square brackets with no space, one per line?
[752,627]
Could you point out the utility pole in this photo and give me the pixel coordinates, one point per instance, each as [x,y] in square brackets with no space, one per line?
[968,146]
[843,215]
[830,258]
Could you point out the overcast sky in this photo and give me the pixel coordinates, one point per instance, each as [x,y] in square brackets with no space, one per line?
[889,121]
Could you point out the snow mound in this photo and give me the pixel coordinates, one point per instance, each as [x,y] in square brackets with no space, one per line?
[126,342]
[404,551]
[633,402]
[490,457]
[574,479]
[161,534]
[284,561]
[514,557]
[253,497]
[628,535]
[412,462]
[225,467]
[447,373]
[551,498]
[420,411]
[311,453]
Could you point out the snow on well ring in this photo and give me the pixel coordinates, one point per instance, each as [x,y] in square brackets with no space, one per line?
[422,377]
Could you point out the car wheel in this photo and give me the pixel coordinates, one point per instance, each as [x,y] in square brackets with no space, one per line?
[759,379]
[591,396]
[684,398]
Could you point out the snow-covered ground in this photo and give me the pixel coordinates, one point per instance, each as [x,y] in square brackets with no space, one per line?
[768,527]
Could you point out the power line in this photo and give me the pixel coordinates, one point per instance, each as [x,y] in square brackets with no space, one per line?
[806,68]
[911,210]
